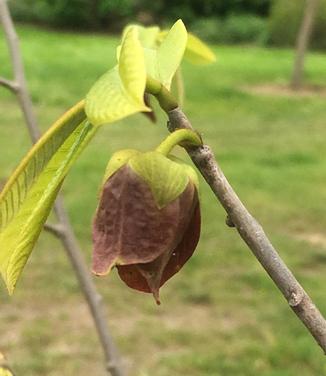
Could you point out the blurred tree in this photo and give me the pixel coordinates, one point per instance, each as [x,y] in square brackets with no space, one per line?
[113,14]
[283,28]
[303,38]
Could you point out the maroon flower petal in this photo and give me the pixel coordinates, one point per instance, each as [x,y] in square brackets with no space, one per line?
[128,227]
[151,276]
[185,248]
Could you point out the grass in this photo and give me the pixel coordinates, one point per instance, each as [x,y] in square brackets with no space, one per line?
[221,315]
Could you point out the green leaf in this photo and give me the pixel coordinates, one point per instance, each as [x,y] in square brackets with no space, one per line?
[198,52]
[151,63]
[166,178]
[147,35]
[5,372]
[120,92]
[170,52]
[28,197]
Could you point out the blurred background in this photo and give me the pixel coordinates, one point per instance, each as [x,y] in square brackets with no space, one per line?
[266,22]
[221,315]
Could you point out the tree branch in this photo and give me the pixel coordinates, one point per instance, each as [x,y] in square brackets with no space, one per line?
[253,234]
[11,85]
[64,229]
[304,34]
[54,229]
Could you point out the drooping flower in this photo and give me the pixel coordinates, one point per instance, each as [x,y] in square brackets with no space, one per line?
[147,223]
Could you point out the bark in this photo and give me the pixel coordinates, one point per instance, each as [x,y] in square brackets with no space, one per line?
[253,235]
[303,39]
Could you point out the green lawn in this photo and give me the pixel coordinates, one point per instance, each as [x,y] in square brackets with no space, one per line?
[221,315]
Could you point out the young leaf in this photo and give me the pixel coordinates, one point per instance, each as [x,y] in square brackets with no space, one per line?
[132,67]
[170,52]
[197,52]
[27,198]
[151,63]
[120,92]
[5,372]
[147,35]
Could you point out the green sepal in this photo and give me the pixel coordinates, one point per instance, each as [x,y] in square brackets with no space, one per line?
[122,157]
[117,160]
[190,171]
[166,178]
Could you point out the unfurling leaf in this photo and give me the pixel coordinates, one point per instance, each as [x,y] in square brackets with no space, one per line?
[4,369]
[28,196]
[120,91]
[147,35]
[198,52]
[147,222]
[163,53]
[170,52]
[5,372]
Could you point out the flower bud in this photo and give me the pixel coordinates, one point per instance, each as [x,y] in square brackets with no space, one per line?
[147,223]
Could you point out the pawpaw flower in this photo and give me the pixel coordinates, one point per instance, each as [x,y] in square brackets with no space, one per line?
[147,223]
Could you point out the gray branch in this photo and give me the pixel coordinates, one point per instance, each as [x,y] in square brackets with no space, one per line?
[63,230]
[11,85]
[303,38]
[253,234]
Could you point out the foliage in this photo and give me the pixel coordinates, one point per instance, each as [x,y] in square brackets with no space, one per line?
[80,14]
[27,198]
[112,14]
[285,21]
[243,28]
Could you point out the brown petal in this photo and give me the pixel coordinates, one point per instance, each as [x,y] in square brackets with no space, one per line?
[128,227]
[185,248]
[150,277]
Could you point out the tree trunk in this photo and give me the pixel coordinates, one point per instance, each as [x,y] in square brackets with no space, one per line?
[303,38]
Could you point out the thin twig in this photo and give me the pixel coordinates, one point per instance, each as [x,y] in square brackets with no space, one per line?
[54,229]
[63,230]
[253,234]
[11,85]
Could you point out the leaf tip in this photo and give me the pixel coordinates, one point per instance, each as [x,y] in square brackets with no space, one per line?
[179,23]
[10,286]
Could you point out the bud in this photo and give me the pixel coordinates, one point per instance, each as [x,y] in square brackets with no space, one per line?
[147,223]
